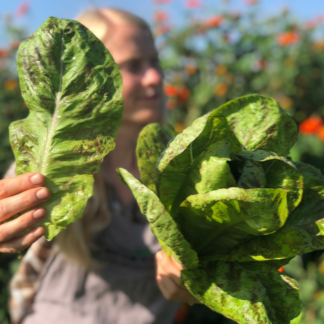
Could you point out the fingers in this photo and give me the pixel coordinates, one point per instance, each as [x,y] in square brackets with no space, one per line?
[168,273]
[12,186]
[25,200]
[20,224]
[167,265]
[20,243]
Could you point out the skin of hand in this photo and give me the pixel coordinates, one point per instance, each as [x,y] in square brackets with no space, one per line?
[168,273]
[17,195]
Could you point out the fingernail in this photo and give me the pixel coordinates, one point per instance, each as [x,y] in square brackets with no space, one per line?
[36,179]
[159,256]
[39,213]
[38,232]
[42,194]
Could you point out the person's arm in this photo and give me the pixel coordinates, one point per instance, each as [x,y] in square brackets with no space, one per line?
[23,284]
[18,194]
[168,273]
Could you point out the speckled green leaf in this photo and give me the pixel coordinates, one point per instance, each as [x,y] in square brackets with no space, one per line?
[162,224]
[253,176]
[248,293]
[259,123]
[151,142]
[312,177]
[302,233]
[73,90]
[179,159]
[216,222]
[279,173]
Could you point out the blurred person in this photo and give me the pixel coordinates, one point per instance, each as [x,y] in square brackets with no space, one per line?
[107,267]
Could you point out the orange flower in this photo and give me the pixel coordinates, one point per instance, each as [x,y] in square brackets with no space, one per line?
[11,84]
[3,53]
[170,90]
[162,1]
[213,22]
[220,69]
[318,46]
[183,94]
[281,269]
[250,2]
[161,30]
[179,127]
[171,104]
[288,38]
[22,9]
[320,134]
[193,4]
[160,16]
[310,24]
[190,69]
[182,313]
[220,90]
[310,125]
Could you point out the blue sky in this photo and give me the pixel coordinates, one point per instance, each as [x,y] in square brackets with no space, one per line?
[42,9]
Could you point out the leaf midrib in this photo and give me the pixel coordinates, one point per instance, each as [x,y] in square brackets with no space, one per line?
[55,115]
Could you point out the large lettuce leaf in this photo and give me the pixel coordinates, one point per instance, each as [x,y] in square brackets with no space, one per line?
[252,292]
[186,153]
[73,90]
[162,224]
[260,124]
[302,233]
[226,218]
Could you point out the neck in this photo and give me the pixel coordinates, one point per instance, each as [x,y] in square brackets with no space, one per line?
[124,154]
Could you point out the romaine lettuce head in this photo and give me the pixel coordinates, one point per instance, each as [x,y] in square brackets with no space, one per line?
[73,90]
[223,198]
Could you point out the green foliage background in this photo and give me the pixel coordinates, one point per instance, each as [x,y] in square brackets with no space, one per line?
[206,63]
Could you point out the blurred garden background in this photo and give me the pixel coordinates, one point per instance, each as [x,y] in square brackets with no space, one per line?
[211,52]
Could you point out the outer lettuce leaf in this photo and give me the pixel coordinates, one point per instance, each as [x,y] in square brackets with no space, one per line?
[178,159]
[220,220]
[302,233]
[162,224]
[260,124]
[279,173]
[152,141]
[312,177]
[73,89]
[248,293]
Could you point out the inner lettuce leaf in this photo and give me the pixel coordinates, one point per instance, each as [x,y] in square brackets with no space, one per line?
[226,218]
[73,89]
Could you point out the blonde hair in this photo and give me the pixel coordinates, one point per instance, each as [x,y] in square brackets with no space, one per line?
[75,241]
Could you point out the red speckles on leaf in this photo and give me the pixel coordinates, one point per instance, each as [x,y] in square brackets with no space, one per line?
[213,22]
[310,125]
[192,4]
[22,9]
[288,38]
[160,16]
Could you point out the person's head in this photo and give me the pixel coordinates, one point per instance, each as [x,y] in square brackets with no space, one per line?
[130,42]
